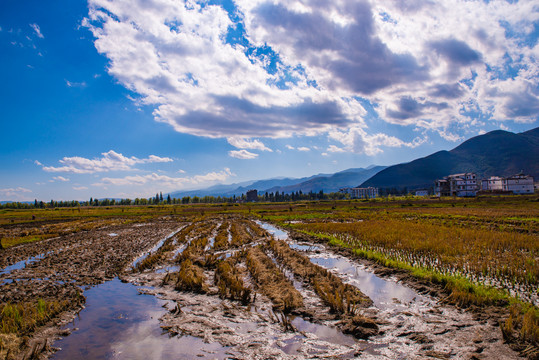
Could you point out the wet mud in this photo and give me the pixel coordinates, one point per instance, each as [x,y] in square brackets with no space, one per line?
[128,313]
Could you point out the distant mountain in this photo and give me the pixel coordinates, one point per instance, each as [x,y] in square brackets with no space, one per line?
[332,183]
[326,182]
[497,153]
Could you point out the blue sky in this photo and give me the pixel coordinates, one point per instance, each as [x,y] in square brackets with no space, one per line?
[127,98]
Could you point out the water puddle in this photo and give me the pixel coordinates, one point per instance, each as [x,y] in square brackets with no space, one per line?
[167,269]
[23,263]
[304,247]
[277,233]
[119,323]
[156,247]
[384,293]
[324,332]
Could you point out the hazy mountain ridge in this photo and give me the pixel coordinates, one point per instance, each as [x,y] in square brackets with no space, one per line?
[325,182]
[497,153]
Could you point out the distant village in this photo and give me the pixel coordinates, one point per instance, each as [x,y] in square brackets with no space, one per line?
[462,185]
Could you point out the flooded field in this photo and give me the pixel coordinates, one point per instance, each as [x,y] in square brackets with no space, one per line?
[228,286]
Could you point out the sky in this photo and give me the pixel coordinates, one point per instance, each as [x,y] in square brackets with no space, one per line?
[126,98]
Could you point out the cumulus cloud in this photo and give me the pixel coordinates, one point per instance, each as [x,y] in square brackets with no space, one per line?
[80,188]
[307,68]
[165,181]
[303,148]
[175,55]
[242,143]
[242,154]
[111,161]
[358,141]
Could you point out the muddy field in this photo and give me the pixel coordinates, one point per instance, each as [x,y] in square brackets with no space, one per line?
[224,286]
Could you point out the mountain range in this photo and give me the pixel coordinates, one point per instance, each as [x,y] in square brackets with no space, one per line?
[497,153]
[325,182]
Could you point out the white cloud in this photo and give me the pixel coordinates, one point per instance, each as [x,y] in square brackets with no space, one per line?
[37,30]
[15,194]
[243,143]
[75,84]
[303,148]
[166,182]
[79,188]
[174,55]
[422,65]
[290,147]
[110,161]
[335,149]
[242,154]
[60,178]
[358,141]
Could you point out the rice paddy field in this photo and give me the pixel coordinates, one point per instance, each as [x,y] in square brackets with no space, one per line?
[381,278]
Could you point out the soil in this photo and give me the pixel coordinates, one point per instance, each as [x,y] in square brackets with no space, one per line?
[421,328]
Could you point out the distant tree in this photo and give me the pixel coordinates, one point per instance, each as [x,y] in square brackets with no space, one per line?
[160,197]
[169,200]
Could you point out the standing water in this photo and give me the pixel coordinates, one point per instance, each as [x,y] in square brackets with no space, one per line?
[120,323]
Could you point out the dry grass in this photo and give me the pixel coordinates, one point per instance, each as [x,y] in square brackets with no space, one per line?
[240,235]
[505,260]
[221,239]
[190,278]
[340,297]
[272,282]
[522,325]
[229,280]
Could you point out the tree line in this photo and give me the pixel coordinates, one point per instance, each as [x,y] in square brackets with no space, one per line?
[158,199]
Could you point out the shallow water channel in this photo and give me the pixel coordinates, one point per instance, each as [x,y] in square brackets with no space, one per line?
[120,323]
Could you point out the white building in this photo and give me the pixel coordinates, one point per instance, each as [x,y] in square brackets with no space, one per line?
[361,193]
[421,192]
[493,183]
[519,184]
[516,184]
[465,184]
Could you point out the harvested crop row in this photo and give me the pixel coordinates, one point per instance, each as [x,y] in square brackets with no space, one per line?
[221,239]
[255,229]
[189,278]
[340,297]
[272,282]
[230,282]
[158,256]
[240,235]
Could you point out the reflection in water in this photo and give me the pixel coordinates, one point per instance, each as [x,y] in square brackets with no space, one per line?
[118,323]
[323,332]
[22,264]
[381,291]
[277,233]
[304,247]
[156,247]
